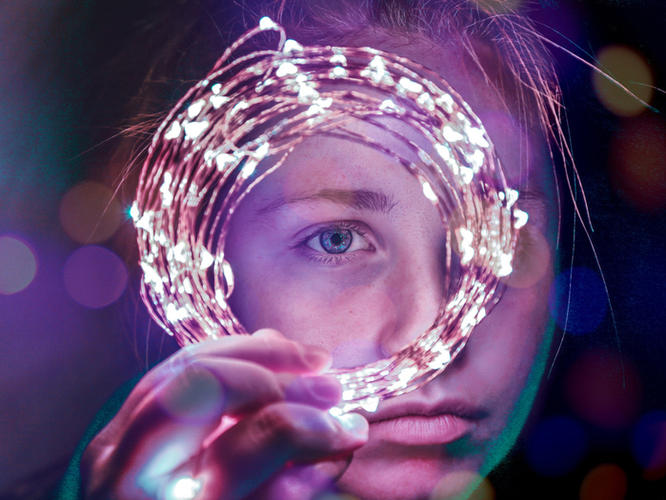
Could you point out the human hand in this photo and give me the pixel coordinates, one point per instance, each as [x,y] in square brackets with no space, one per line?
[243,417]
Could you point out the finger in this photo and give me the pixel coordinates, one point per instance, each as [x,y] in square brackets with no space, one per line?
[213,386]
[184,409]
[270,333]
[257,447]
[267,348]
[192,401]
[199,387]
[207,388]
[198,393]
[319,391]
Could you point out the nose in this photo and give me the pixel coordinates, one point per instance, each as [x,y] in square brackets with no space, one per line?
[395,307]
[416,286]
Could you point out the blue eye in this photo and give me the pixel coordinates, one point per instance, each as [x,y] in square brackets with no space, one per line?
[336,240]
[336,243]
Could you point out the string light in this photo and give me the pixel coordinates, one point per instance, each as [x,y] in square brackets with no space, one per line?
[241,123]
[184,488]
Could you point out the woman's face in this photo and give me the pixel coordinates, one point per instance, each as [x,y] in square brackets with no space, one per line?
[339,248]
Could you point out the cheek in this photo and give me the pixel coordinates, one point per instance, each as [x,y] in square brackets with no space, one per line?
[502,349]
[349,322]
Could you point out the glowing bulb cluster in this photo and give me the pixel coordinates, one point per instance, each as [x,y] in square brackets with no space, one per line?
[241,123]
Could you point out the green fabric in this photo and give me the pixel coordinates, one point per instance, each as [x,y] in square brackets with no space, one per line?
[70,486]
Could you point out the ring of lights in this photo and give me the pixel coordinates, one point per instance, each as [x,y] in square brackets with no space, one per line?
[208,153]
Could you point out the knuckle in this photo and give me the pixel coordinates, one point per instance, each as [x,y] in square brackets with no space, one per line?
[303,426]
[277,346]
[179,361]
[275,421]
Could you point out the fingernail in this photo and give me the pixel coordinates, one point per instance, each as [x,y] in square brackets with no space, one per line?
[316,357]
[268,332]
[353,423]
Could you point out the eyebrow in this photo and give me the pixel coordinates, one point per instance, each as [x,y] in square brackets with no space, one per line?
[359,199]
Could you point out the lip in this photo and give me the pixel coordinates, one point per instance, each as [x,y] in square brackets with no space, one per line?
[415,430]
[420,424]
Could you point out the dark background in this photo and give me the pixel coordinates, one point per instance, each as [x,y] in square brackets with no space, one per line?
[63,96]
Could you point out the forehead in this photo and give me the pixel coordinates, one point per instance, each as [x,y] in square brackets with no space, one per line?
[322,162]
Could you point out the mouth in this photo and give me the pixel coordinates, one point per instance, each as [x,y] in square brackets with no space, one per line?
[419,424]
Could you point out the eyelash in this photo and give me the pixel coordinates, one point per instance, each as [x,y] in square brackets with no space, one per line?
[330,259]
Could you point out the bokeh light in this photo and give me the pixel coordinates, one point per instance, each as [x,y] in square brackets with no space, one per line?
[18,265]
[165,458]
[556,446]
[194,396]
[94,276]
[638,162]
[648,444]
[629,68]
[89,213]
[604,482]
[463,485]
[604,389]
[577,300]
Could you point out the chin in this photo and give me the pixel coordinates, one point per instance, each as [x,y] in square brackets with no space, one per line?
[386,471]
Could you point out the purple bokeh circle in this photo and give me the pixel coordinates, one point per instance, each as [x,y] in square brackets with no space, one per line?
[648,442]
[18,265]
[94,276]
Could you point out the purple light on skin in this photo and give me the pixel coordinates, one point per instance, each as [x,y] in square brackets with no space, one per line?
[496,121]
[18,265]
[357,352]
[94,276]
